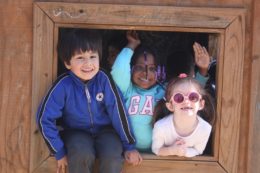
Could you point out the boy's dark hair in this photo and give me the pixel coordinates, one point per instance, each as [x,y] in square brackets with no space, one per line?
[73,41]
[139,51]
[179,62]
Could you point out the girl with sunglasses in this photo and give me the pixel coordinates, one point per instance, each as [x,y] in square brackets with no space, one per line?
[182,132]
[136,73]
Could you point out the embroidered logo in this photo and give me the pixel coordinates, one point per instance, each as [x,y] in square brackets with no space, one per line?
[100,97]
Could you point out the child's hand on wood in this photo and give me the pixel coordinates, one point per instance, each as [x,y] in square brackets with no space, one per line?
[62,165]
[178,147]
[133,39]
[202,58]
[133,157]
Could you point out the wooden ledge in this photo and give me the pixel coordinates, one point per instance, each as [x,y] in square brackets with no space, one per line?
[150,161]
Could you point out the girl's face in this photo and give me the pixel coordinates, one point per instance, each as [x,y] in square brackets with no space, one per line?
[84,65]
[144,73]
[185,100]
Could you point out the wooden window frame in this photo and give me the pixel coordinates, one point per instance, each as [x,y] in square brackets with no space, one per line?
[225,25]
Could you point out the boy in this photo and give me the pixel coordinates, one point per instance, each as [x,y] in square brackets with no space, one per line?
[94,120]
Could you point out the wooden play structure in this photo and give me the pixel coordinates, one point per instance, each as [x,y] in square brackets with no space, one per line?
[29,66]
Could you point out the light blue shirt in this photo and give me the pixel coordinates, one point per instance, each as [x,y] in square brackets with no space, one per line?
[139,102]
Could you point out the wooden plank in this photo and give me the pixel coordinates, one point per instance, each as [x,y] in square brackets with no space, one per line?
[212,3]
[254,145]
[144,28]
[254,123]
[216,47]
[15,100]
[150,166]
[43,74]
[232,78]
[224,132]
[16,16]
[15,88]
[157,166]
[134,15]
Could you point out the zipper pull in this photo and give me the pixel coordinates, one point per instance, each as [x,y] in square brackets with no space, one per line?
[87,93]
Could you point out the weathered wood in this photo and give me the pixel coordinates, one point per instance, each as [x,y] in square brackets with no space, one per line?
[15,87]
[134,15]
[254,142]
[149,165]
[229,79]
[15,76]
[162,166]
[232,77]
[198,3]
[18,16]
[42,79]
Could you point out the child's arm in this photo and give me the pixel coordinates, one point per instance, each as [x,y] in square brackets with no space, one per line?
[49,111]
[118,114]
[178,148]
[197,149]
[201,141]
[121,69]
[202,58]
[133,40]
[158,144]
[133,157]
[62,165]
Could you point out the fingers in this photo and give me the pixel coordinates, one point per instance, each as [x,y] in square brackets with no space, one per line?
[62,169]
[179,141]
[137,160]
[198,49]
[140,159]
[133,34]
[133,157]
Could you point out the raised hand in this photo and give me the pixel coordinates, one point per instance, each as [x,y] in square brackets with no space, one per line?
[133,39]
[202,58]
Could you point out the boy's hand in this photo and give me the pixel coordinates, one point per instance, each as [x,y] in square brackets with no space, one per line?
[202,58]
[133,39]
[133,157]
[62,165]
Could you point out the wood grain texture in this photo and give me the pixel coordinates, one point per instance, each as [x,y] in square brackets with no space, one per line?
[16,16]
[212,3]
[139,15]
[231,97]
[16,78]
[254,144]
[42,79]
[15,87]
[149,166]
[231,41]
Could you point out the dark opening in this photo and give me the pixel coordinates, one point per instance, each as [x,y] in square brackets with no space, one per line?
[168,46]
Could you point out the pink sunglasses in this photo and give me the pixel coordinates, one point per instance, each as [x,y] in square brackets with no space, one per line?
[179,97]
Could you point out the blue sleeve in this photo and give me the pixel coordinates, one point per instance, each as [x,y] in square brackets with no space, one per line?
[201,79]
[48,112]
[121,70]
[118,114]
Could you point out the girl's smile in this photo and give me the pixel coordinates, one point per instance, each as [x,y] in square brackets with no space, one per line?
[186,100]
[144,72]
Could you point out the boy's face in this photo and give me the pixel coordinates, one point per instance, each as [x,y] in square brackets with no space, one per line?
[144,73]
[85,65]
